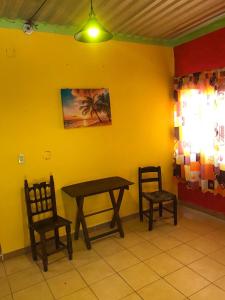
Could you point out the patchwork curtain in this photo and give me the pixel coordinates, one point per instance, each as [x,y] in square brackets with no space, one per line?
[199,117]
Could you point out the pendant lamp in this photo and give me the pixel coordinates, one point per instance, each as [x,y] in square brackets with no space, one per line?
[93,31]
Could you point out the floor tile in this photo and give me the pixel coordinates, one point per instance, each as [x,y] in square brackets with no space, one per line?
[107,247]
[217,235]
[84,257]
[163,264]
[122,260]
[66,284]
[139,275]
[164,227]
[133,296]
[24,279]
[183,234]
[111,288]
[166,243]
[95,271]
[220,283]
[160,290]
[218,255]
[208,268]
[83,294]
[130,239]
[4,287]
[185,254]
[9,297]
[35,292]
[2,270]
[150,235]
[144,250]
[209,293]
[57,267]
[17,263]
[205,245]
[186,281]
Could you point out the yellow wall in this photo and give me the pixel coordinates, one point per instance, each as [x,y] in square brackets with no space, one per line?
[32,71]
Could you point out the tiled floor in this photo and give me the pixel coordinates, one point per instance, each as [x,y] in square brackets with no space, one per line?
[182,262]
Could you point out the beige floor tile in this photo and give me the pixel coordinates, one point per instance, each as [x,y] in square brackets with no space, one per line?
[57,267]
[133,296]
[66,284]
[139,275]
[150,235]
[4,287]
[164,228]
[135,225]
[130,239]
[219,256]
[24,279]
[183,234]
[111,288]
[160,290]
[95,271]
[205,245]
[220,283]
[18,263]
[84,294]
[122,260]
[2,270]
[208,268]
[185,254]
[144,250]
[217,235]
[209,293]
[35,292]
[107,247]
[166,243]
[9,297]
[84,257]
[163,264]
[186,281]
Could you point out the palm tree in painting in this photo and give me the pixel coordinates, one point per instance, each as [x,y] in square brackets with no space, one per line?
[89,106]
[103,104]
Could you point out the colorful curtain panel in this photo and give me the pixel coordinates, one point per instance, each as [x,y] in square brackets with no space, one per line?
[199,117]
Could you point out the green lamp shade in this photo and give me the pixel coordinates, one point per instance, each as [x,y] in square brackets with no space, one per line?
[93,32]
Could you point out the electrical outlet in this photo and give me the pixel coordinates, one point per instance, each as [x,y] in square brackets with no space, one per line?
[21,158]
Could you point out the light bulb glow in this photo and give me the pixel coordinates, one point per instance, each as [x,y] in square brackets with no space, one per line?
[93,32]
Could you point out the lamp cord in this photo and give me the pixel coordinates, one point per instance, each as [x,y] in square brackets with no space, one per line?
[37,11]
[92,13]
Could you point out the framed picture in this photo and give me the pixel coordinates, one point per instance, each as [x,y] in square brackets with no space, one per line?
[86,107]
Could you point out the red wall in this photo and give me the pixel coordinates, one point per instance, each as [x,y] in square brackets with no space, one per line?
[203,54]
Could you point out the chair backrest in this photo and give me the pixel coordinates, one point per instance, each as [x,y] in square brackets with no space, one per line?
[40,199]
[149,174]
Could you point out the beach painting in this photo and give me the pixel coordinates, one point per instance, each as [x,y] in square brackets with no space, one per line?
[86,107]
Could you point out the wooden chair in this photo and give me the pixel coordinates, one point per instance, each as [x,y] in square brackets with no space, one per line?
[41,205]
[156,199]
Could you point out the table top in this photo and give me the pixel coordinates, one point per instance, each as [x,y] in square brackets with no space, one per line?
[98,186]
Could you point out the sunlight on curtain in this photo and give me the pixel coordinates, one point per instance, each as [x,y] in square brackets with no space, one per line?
[199,118]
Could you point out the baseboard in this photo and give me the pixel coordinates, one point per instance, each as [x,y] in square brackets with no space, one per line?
[27,250]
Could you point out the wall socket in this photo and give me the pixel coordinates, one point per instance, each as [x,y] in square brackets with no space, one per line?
[21,158]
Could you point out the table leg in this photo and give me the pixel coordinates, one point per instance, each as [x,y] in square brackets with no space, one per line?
[77,225]
[116,207]
[80,203]
[118,203]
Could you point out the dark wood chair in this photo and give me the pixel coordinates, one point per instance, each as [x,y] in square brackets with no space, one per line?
[42,218]
[157,198]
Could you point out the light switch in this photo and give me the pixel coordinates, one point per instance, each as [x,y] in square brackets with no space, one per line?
[47,155]
[21,158]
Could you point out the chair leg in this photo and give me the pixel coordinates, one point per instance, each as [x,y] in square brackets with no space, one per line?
[69,242]
[160,209]
[140,208]
[44,252]
[56,238]
[150,224]
[33,244]
[175,211]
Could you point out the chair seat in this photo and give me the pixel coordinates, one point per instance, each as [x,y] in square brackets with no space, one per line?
[159,196]
[50,224]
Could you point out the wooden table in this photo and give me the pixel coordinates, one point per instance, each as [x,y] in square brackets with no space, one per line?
[81,190]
